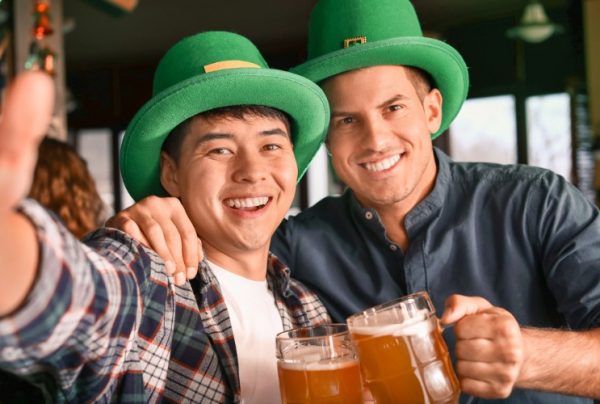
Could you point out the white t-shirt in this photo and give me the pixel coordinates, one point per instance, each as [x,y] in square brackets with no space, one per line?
[255,321]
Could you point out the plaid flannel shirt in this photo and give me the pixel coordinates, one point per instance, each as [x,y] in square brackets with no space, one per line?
[103,322]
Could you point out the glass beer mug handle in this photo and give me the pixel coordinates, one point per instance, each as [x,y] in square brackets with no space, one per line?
[444,327]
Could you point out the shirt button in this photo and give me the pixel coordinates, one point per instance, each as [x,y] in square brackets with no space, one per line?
[393,247]
[369,215]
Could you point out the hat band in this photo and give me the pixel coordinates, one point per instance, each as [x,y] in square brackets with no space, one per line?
[229,64]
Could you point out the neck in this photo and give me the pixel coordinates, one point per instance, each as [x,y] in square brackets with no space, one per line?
[392,214]
[249,264]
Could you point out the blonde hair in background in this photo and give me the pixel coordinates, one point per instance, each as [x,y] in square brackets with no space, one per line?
[63,184]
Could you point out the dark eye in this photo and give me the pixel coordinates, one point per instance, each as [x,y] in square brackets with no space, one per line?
[220,151]
[348,120]
[272,147]
[395,107]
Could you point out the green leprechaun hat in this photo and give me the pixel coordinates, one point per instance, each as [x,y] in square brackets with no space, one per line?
[351,34]
[213,70]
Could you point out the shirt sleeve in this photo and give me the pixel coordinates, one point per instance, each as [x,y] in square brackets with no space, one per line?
[281,243]
[568,233]
[83,306]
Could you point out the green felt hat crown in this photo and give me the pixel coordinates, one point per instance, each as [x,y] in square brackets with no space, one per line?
[350,34]
[213,70]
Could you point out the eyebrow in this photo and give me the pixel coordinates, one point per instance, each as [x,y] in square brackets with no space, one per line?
[275,131]
[396,98]
[207,137]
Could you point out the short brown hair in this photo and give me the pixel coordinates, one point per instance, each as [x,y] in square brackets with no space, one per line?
[421,81]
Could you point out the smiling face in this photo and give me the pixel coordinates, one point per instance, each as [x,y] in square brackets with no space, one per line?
[236,178]
[380,135]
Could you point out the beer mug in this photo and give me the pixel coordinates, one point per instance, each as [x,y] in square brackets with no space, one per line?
[318,365]
[403,357]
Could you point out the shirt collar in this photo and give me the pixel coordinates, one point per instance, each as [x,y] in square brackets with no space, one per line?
[278,275]
[425,210]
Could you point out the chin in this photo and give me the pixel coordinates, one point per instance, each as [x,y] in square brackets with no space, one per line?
[382,198]
[253,242]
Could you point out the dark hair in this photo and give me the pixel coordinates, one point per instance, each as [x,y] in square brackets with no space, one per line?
[63,184]
[173,142]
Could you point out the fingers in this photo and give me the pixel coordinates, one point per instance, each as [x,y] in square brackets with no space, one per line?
[484,389]
[127,221]
[27,111]
[122,222]
[163,225]
[489,368]
[25,118]
[489,346]
[155,231]
[458,306]
[191,245]
[493,323]
[486,380]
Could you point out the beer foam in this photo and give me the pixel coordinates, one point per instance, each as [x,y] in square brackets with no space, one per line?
[421,324]
[328,364]
[303,354]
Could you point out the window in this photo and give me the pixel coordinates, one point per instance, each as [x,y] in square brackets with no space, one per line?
[126,199]
[94,145]
[549,133]
[485,130]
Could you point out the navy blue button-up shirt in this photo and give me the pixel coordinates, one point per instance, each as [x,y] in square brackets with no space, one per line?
[521,237]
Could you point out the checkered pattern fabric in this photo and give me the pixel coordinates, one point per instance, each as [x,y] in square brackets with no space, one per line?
[103,322]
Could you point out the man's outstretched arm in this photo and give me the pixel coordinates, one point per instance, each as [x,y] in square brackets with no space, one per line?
[25,118]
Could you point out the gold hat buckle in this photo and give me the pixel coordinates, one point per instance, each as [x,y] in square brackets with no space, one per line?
[355,40]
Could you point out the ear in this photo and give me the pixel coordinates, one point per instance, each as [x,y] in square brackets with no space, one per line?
[326,143]
[168,174]
[433,110]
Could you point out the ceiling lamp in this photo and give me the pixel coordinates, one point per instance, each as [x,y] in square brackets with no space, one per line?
[535,26]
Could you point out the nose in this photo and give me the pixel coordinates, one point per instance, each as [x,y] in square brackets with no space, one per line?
[376,134]
[249,167]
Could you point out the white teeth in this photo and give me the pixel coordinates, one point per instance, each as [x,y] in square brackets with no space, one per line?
[383,164]
[240,203]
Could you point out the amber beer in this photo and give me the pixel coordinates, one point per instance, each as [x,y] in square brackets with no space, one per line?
[318,365]
[336,382]
[403,357]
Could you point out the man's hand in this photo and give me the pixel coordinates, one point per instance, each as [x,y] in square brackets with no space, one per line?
[489,346]
[163,225]
[26,115]
[27,110]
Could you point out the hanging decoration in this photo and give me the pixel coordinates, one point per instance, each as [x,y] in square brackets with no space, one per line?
[41,56]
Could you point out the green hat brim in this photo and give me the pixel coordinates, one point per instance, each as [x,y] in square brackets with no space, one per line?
[439,59]
[295,95]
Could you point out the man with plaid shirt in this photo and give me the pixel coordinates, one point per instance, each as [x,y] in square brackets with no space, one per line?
[103,320]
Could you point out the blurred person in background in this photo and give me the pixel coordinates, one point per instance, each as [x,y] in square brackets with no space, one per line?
[63,183]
